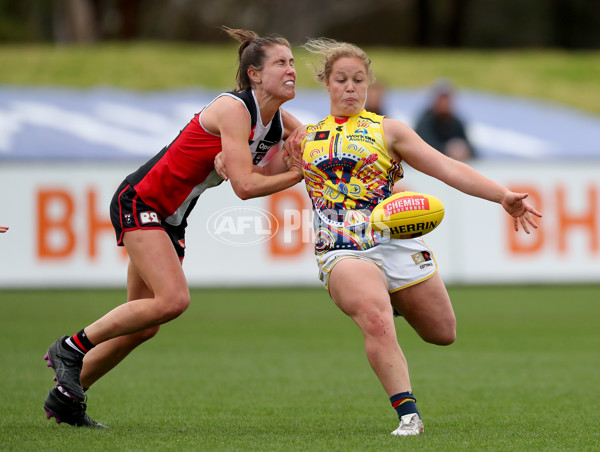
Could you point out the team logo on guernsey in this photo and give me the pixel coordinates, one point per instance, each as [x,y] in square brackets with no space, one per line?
[363,123]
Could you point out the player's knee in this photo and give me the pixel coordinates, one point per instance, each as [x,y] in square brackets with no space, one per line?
[172,305]
[179,302]
[376,324]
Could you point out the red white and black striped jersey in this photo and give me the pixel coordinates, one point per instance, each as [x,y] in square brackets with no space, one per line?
[172,180]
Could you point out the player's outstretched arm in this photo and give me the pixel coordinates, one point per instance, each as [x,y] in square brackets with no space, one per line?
[406,145]
[3,228]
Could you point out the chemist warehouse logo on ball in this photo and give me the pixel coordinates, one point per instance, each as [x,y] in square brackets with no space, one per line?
[242,226]
[406,204]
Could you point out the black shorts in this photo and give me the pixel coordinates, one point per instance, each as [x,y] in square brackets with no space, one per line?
[128,212]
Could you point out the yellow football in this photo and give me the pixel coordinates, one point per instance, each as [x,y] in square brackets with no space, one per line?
[407,215]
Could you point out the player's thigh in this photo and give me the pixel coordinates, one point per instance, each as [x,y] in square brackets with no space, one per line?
[357,286]
[426,306]
[154,262]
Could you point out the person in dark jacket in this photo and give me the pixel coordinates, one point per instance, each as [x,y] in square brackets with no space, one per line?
[441,128]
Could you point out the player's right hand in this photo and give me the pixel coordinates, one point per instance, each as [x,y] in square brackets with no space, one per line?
[220,166]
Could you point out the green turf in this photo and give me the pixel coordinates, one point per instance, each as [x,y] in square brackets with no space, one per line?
[281,370]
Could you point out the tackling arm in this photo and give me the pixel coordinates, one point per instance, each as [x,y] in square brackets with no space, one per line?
[234,126]
[278,164]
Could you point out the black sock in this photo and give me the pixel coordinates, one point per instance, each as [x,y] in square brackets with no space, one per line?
[404,403]
[79,342]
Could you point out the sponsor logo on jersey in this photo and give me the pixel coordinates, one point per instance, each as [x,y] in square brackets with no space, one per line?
[421,257]
[322,135]
[262,148]
[149,217]
[362,138]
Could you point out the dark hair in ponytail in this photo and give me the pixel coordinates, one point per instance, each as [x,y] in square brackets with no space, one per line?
[251,52]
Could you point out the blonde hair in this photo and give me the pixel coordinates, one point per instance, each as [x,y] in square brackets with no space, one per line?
[330,51]
[251,52]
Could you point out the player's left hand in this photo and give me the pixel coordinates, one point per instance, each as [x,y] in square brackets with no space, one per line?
[521,211]
[220,166]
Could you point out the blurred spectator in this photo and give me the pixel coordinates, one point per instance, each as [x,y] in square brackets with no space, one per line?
[441,128]
[375,95]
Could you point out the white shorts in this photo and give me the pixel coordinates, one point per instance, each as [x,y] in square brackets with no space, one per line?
[404,262]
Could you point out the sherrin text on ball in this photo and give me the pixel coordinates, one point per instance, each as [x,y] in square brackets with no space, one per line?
[407,215]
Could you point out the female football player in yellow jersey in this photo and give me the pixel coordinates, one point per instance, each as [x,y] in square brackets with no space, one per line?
[351,160]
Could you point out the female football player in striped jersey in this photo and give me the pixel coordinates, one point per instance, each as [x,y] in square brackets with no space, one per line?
[351,160]
[150,209]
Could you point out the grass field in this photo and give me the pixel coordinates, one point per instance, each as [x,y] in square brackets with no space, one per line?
[570,78]
[282,370]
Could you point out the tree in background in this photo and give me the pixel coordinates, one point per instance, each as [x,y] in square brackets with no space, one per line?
[571,24]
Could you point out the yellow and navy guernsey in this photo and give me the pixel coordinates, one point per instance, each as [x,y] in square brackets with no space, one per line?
[347,171]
